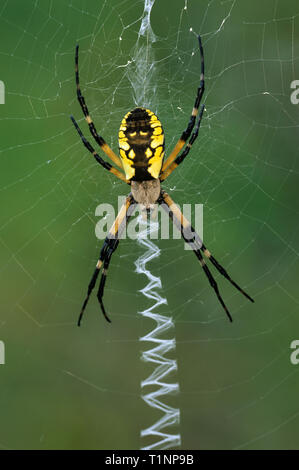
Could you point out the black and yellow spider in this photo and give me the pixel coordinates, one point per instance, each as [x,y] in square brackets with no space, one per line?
[141,149]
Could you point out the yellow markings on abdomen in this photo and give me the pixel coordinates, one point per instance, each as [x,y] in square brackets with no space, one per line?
[148,152]
[122,154]
[124,144]
[157,140]
[155,124]
[127,164]
[156,162]
[157,131]
[158,152]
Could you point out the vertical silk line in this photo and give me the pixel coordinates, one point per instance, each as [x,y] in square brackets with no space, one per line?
[163,366]
[141,67]
[141,73]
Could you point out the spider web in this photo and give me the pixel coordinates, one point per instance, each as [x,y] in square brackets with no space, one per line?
[65,387]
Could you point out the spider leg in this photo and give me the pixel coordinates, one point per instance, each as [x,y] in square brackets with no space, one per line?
[110,251]
[223,271]
[110,244]
[193,239]
[187,132]
[99,159]
[114,234]
[104,146]
[181,157]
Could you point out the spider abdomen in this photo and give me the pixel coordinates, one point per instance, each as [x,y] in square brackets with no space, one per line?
[141,145]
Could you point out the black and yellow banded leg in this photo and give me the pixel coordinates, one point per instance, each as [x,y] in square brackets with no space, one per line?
[187,132]
[110,244]
[223,271]
[99,159]
[180,158]
[193,239]
[99,139]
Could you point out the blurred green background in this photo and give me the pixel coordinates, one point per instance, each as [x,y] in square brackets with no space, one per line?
[68,388]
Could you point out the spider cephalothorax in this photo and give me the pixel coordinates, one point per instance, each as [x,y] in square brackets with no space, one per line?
[141,150]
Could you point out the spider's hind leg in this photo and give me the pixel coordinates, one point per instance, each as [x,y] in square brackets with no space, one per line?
[223,271]
[108,249]
[89,291]
[193,239]
[110,244]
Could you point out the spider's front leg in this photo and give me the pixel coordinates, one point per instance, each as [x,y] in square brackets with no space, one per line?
[97,157]
[171,162]
[110,244]
[99,139]
[181,157]
[193,239]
